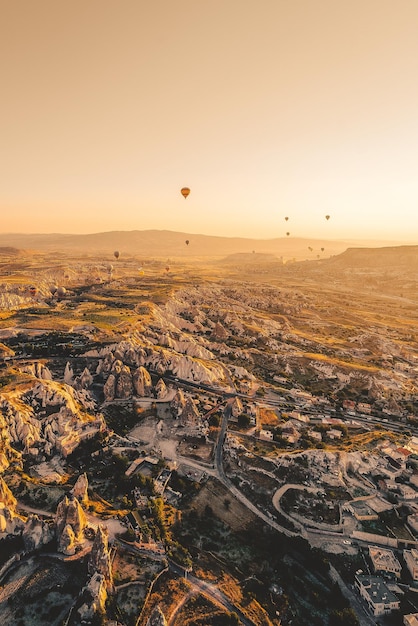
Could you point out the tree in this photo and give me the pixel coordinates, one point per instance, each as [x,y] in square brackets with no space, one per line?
[244,420]
[344,617]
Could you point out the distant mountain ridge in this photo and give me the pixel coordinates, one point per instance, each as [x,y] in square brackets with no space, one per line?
[155,243]
[394,256]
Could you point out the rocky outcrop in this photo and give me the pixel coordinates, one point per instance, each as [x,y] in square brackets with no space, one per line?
[38,370]
[94,596]
[80,489]
[109,388]
[36,533]
[157,618]
[70,521]
[99,559]
[46,418]
[10,522]
[190,414]
[219,332]
[178,403]
[142,382]
[85,380]
[67,541]
[68,374]
[6,496]
[161,389]
[124,387]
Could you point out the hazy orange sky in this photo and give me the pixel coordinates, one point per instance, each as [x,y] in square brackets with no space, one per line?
[265,109]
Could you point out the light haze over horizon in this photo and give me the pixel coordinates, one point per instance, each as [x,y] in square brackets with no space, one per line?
[265,109]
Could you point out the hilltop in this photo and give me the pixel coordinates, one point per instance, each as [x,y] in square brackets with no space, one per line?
[390,257]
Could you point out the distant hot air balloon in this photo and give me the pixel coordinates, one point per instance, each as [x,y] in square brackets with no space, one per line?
[110,268]
[322,249]
[167,269]
[185,192]
[53,289]
[286,218]
[61,291]
[327,217]
[287,234]
[116,254]
[187,242]
[310,249]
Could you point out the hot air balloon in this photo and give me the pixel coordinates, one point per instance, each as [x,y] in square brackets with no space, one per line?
[53,289]
[287,234]
[327,217]
[187,242]
[116,254]
[185,192]
[322,249]
[286,218]
[167,269]
[310,249]
[61,291]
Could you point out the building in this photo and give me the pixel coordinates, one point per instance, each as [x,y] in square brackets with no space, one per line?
[411,619]
[266,435]
[384,561]
[334,434]
[411,560]
[377,595]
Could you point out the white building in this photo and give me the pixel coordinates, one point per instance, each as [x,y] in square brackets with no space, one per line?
[384,561]
[378,596]
[411,560]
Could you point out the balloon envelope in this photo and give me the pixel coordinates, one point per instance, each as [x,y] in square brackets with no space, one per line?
[116,254]
[327,217]
[187,242]
[185,191]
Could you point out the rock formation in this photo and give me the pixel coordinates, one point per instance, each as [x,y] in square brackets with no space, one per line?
[80,489]
[6,496]
[67,541]
[161,389]
[99,559]
[142,382]
[219,332]
[94,596]
[190,414]
[10,522]
[68,374]
[36,533]
[178,403]
[70,521]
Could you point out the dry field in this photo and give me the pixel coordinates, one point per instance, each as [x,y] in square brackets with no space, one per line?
[225,507]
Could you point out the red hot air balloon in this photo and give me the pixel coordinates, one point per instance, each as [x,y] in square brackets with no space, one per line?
[185,192]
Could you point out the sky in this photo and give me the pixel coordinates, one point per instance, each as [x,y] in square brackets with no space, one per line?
[264,108]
